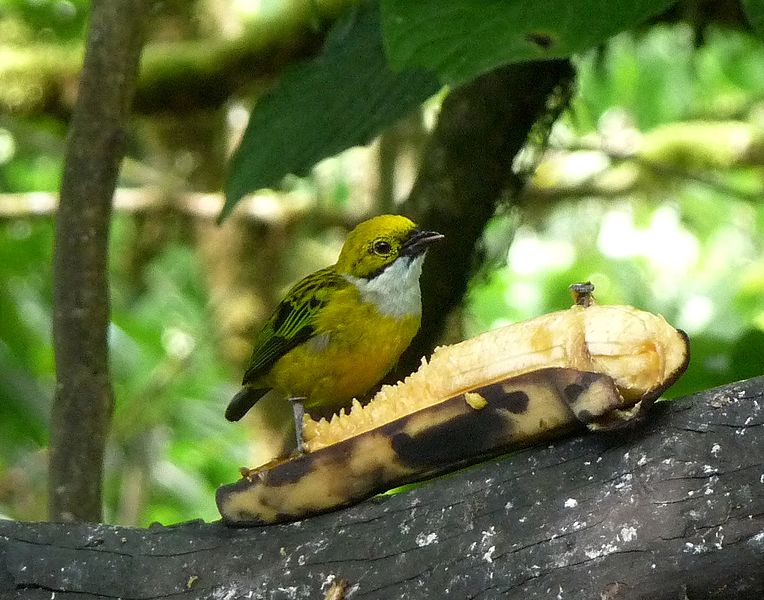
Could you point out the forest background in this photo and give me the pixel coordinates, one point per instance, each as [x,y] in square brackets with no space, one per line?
[649,184]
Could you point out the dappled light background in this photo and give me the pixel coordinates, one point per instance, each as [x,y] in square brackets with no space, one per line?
[650,186]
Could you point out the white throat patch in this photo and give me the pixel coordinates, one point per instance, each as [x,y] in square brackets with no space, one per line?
[395,291]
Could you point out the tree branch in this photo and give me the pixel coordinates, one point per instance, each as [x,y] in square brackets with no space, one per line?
[175,76]
[700,152]
[83,401]
[669,511]
[266,208]
[467,166]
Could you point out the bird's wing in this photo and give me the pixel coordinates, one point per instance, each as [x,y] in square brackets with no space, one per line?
[292,323]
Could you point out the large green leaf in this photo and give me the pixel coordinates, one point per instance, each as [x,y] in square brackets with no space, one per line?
[320,107]
[754,10]
[460,39]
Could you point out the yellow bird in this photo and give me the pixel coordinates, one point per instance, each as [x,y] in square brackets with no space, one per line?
[339,331]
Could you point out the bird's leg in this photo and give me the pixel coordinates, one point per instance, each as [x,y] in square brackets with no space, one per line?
[299,415]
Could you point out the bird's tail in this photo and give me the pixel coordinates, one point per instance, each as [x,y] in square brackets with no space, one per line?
[243,401]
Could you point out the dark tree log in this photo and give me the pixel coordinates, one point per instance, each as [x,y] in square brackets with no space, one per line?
[671,510]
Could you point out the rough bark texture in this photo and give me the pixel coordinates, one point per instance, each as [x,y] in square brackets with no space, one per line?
[672,510]
[83,402]
[467,167]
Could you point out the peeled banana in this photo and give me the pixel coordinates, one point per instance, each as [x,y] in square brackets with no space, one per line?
[596,365]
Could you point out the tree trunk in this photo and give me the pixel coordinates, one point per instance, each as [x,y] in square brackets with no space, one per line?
[83,401]
[466,170]
[671,510]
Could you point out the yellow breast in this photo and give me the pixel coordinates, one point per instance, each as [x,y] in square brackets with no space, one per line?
[354,348]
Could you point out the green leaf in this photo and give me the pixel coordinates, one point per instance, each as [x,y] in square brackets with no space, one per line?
[461,39]
[341,98]
[747,351]
[754,11]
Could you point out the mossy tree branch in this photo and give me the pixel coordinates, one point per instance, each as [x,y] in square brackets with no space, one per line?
[176,77]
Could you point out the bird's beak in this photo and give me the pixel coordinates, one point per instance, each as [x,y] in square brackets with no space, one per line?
[419,241]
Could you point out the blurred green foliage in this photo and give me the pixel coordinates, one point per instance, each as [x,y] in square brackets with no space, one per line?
[686,249]
[689,251]
[43,20]
[170,385]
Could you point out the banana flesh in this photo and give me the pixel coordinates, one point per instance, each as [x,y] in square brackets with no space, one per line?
[640,351]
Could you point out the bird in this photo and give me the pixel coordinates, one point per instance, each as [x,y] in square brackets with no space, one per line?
[340,330]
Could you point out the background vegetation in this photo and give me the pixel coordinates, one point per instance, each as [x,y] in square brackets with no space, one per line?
[650,185]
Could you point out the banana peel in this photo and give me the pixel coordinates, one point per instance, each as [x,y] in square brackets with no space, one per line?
[594,366]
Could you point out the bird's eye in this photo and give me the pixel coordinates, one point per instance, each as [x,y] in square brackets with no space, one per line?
[382,248]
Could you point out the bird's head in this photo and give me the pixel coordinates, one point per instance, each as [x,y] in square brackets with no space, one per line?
[377,243]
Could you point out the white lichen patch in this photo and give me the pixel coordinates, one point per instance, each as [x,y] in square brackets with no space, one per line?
[604,550]
[720,400]
[744,428]
[488,556]
[229,593]
[328,581]
[628,534]
[488,534]
[757,541]
[691,548]
[715,449]
[352,589]
[719,539]
[571,503]
[425,539]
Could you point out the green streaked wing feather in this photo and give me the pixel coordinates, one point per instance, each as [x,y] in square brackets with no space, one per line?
[292,323]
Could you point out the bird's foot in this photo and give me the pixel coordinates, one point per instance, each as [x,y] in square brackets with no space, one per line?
[298,410]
